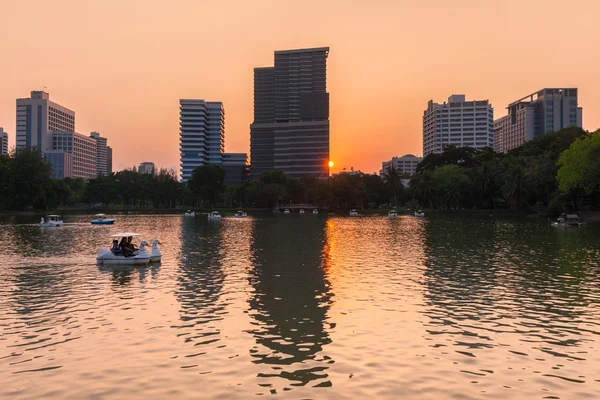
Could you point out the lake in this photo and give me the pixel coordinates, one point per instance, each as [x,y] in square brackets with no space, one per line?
[302,306]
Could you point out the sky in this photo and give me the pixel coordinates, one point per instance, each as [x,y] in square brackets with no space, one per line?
[123,65]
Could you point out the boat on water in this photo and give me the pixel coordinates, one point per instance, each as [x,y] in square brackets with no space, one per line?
[353,213]
[116,256]
[286,211]
[240,214]
[102,220]
[568,219]
[51,221]
[392,213]
[301,211]
[419,213]
[214,215]
[315,211]
[189,213]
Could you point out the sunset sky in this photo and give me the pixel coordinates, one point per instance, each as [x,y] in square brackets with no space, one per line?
[123,65]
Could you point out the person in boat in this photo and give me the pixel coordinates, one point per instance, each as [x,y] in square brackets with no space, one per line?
[116,249]
[131,245]
[124,245]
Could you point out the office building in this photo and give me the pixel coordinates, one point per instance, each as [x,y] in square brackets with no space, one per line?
[547,110]
[109,160]
[459,123]
[83,149]
[61,163]
[37,118]
[235,166]
[202,134]
[146,168]
[290,131]
[406,164]
[3,142]
[101,154]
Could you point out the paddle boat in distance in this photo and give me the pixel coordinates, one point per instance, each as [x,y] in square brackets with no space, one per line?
[240,214]
[392,213]
[568,219]
[155,255]
[353,213]
[419,213]
[51,221]
[315,211]
[301,211]
[139,257]
[286,211]
[189,213]
[102,220]
[215,215]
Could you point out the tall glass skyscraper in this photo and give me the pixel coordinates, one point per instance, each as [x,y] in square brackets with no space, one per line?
[202,134]
[290,131]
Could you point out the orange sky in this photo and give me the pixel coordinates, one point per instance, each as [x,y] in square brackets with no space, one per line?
[122,65]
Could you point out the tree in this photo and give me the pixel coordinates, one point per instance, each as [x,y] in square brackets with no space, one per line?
[393,180]
[30,177]
[103,189]
[579,165]
[451,184]
[207,182]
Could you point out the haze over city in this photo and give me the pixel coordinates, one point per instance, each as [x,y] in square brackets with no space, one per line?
[123,66]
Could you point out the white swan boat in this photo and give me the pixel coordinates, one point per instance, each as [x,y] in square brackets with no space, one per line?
[315,211]
[286,211]
[116,257]
[301,211]
[155,255]
[569,219]
[353,213]
[51,221]
[102,220]
[419,213]
[240,214]
[214,215]
[189,213]
[392,213]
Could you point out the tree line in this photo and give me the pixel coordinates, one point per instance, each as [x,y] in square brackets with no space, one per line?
[553,172]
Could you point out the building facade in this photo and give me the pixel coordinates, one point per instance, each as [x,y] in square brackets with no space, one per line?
[83,149]
[407,164]
[109,160]
[38,118]
[236,167]
[202,134]
[547,110]
[3,142]
[290,131]
[146,168]
[101,154]
[459,123]
[61,163]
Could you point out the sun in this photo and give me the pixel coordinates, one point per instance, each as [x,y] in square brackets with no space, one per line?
[330,164]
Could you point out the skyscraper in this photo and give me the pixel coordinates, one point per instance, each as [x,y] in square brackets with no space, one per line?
[459,123]
[83,149]
[544,111]
[109,157]
[290,131]
[146,168]
[38,117]
[3,142]
[101,154]
[202,134]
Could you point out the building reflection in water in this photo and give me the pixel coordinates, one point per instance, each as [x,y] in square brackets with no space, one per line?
[290,301]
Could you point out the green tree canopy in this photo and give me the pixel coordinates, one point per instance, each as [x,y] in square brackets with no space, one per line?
[579,165]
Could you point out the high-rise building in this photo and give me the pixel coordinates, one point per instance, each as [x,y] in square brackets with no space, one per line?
[547,110]
[109,160]
[37,118]
[146,168]
[101,154]
[202,134]
[83,149]
[61,163]
[290,131]
[3,142]
[459,123]
[236,167]
[407,164]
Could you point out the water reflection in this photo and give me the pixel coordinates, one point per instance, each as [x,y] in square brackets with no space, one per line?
[290,301]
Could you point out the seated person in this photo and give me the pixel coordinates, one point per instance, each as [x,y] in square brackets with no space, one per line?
[127,251]
[116,249]
[131,245]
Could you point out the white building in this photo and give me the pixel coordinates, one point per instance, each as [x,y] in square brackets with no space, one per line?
[547,110]
[37,118]
[3,142]
[101,154]
[146,168]
[458,122]
[83,149]
[202,134]
[407,164]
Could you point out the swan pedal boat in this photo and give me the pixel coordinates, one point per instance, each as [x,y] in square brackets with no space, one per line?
[102,220]
[214,215]
[51,222]
[353,213]
[140,256]
[240,214]
[392,213]
[189,213]
[419,213]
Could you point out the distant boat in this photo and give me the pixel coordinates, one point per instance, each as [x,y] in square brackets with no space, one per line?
[353,213]
[52,221]
[569,219]
[301,211]
[419,213]
[315,211]
[102,220]
[286,211]
[392,213]
[214,215]
[240,214]
[189,213]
